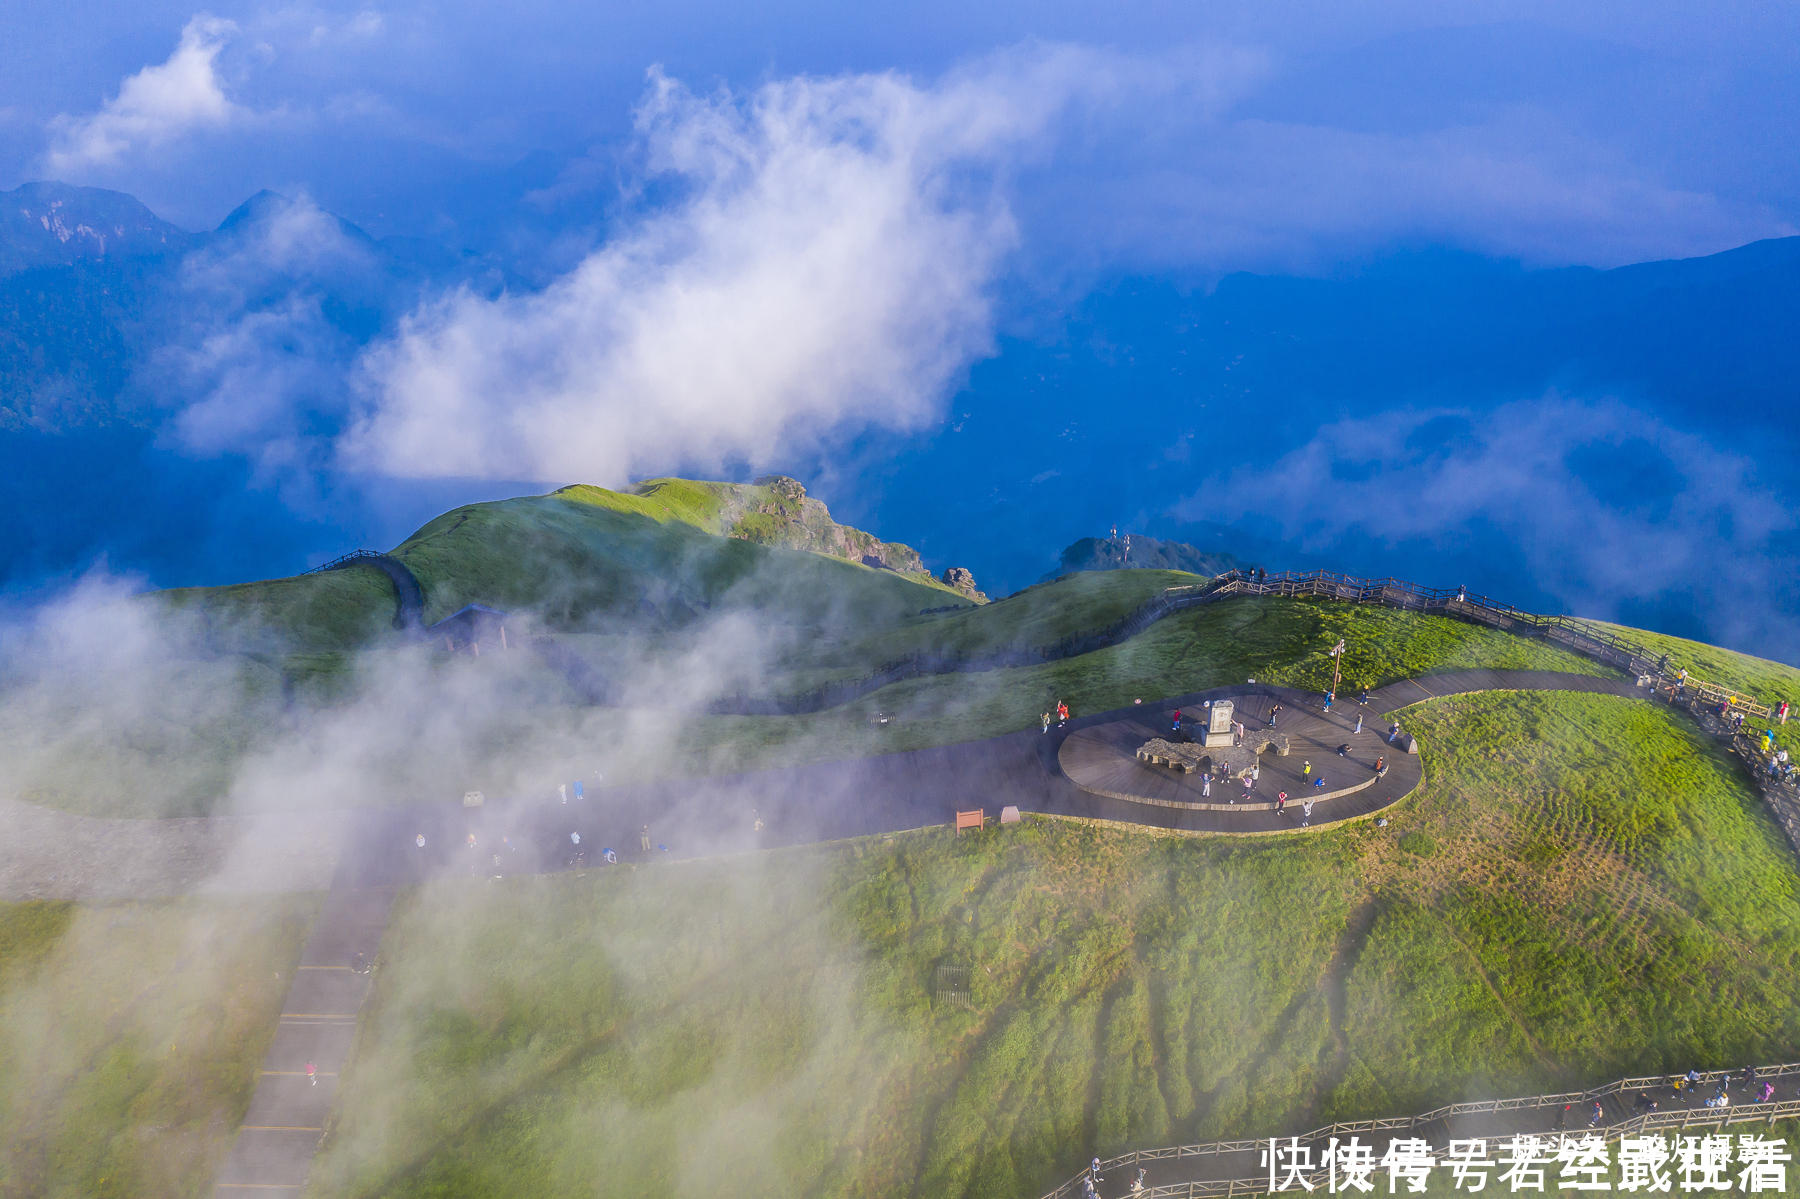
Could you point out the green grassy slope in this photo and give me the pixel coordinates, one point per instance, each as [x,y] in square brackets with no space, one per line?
[1037,617]
[1603,896]
[130,1038]
[336,610]
[580,557]
[1275,640]
[174,759]
[1770,681]
[583,555]
[773,511]
[522,729]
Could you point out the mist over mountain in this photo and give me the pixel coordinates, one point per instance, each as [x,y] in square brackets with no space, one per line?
[1636,421]
[1598,440]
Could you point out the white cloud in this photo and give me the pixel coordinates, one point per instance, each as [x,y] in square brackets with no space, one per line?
[1603,504]
[156,105]
[252,358]
[828,267]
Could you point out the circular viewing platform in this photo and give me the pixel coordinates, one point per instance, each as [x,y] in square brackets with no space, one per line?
[1104,760]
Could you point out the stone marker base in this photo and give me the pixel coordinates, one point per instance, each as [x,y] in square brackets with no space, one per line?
[1224,761]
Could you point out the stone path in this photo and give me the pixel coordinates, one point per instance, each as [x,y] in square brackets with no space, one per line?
[286,1118]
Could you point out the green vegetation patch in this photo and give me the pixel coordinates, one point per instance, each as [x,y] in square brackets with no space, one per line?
[519,728]
[1771,682]
[586,557]
[1605,876]
[1271,640]
[331,611]
[1038,617]
[131,1035]
[1418,844]
[577,563]
[781,1024]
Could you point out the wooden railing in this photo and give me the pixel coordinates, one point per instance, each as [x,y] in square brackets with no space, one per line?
[1422,1125]
[1576,635]
[1572,633]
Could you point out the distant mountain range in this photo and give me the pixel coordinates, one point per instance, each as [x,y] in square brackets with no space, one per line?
[111,320]
[54,224]
[93,287]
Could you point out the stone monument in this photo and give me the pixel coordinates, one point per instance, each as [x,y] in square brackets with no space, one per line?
[1218,727]
[1225,761]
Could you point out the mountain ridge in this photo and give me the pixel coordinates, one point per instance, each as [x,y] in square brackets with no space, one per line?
[57,224]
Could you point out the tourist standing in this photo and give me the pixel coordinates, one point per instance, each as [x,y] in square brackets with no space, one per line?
[644,839]
[1306,771]
[1359,719]
[1273,713]
[1393,731]
[1206,786]
[1306,813]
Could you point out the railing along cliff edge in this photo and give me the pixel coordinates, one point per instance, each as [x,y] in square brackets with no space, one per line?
[1426,1124]
[1579,636]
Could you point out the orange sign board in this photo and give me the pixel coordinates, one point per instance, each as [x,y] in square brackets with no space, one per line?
[975,819]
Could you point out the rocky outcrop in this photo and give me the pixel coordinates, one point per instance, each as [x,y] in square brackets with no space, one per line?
[775,510]
[962,580]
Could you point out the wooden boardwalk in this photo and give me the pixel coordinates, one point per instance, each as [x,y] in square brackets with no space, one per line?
[1240,1168]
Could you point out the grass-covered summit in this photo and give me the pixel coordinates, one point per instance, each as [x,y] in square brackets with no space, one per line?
[775,510]
[657,556]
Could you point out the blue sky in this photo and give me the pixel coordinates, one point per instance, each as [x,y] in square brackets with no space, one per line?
[871,246]
[1603,133]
